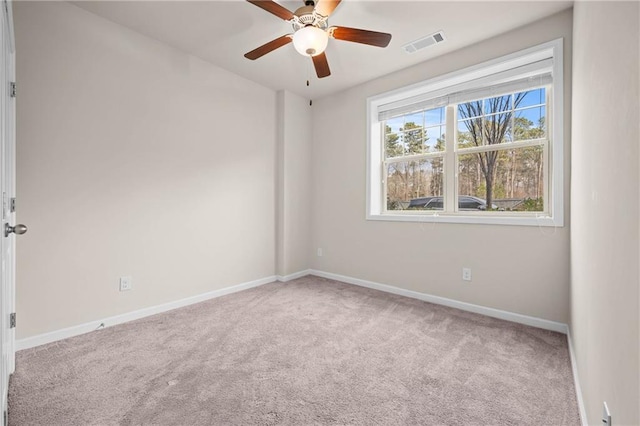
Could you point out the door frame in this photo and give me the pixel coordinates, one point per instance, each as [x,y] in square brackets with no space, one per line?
[8,188]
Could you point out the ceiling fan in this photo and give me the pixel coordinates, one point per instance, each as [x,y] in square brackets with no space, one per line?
[311,32]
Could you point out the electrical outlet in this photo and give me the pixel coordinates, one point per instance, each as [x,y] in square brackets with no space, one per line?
[319,252]
[126,283]
[466,274]
[606,415]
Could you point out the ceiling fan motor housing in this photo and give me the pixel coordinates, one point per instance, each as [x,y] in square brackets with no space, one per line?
[307,16]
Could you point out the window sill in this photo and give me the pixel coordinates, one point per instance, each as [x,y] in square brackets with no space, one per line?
[541,220]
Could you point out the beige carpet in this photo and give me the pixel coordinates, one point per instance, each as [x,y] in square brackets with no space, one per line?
[311,351]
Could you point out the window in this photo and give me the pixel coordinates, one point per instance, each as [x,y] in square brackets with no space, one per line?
[482,145]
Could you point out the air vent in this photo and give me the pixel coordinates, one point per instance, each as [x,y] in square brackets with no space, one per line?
[423,42]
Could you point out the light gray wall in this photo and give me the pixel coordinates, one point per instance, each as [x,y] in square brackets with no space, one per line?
[294,184]
[133,159]
[605,213]
[515,268]
[136,159]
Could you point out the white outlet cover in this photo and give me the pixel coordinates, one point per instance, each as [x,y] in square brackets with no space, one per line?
[126,283]
[466,274]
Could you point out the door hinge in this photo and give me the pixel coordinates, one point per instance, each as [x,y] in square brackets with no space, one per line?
[12,320]
[12,205]
[12,89]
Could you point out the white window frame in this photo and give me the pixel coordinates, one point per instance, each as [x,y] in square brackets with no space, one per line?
[484,74]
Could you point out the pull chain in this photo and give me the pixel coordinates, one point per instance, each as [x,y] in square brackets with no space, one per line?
[309,78]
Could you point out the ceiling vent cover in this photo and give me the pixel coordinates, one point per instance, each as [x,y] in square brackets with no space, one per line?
[423,42]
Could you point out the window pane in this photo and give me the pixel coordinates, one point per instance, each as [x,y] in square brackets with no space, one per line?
[470,133]
[393,145]
[413,139]
[435,139]
[470,110]
[499,104]
[515,179]
[415,119]
[532,97]
[497,129]
[394,125]
[529,123]
[435,116]
[412,184]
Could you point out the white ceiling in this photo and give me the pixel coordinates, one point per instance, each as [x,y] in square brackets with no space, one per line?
[221,32]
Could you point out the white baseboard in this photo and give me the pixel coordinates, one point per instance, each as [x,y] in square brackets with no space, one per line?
[299,274]
[576,381]
[53,336]
[65,333]
[490,312]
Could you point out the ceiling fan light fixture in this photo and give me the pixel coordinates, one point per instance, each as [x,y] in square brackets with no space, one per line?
[310,41]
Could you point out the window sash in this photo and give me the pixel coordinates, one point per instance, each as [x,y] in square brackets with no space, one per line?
[502,146]
[451,155]
[518,79]
[414,157]
[451,198]
[544,143]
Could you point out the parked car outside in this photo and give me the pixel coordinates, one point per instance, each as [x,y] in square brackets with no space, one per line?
[420,203]
[465,203]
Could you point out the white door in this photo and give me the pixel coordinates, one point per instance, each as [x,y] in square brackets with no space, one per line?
[8,188]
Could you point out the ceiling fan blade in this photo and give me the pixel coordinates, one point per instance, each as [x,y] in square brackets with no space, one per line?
[273,7]
[355,35]
[326,7]
[322,65]
[268,47]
